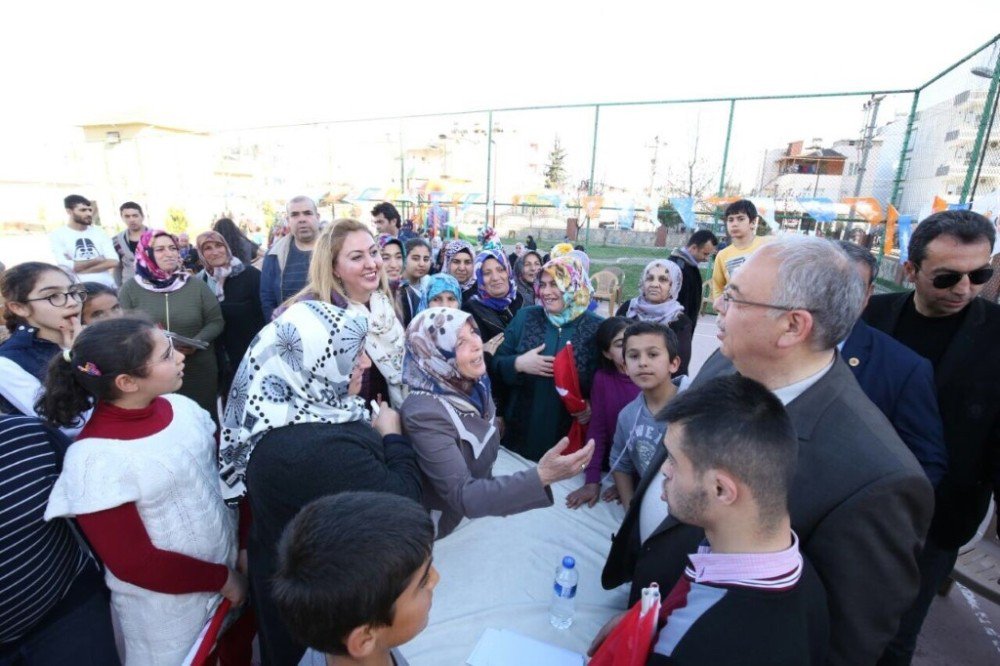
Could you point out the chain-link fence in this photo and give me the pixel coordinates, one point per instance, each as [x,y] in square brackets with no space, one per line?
[857,164]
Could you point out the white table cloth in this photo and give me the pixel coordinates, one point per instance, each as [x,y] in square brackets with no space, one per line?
[499,572]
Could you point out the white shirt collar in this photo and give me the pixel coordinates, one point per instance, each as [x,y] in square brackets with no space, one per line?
[788,393]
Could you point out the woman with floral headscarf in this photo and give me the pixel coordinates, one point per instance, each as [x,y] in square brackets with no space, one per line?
[450,417]
[535,413]
[459,259]
[493,307]
[237,286]
[295,429]
[163,290]
[657,302]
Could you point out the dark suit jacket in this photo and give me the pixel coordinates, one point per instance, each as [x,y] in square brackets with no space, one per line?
[860,504]
[901,383]
[968,387]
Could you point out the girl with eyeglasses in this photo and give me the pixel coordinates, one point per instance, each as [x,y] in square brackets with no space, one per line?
[143,484]
[42,313]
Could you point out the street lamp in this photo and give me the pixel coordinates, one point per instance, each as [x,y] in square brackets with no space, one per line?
[991,97]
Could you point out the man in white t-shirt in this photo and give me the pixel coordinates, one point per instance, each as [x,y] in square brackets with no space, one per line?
[79,248]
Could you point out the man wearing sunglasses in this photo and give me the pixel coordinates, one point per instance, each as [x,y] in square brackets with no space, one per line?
[943,321]
[859,503]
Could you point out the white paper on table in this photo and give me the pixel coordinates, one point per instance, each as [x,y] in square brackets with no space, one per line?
[501,647]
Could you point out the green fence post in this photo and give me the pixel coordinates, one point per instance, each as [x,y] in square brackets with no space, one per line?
[593,162]
[897,183]
[979,144]
[725,151]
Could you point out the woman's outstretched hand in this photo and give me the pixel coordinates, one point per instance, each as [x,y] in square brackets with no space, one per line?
[554,466]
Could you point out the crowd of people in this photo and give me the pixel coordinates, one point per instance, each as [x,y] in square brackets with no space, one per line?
[179,427]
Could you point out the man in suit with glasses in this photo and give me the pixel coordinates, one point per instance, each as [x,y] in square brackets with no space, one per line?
[860,503]
[943,321]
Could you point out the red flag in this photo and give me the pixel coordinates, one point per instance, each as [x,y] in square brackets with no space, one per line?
[205,643]
[630,641]
[567,381]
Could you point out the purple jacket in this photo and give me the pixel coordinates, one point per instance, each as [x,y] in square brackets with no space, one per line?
[610,393]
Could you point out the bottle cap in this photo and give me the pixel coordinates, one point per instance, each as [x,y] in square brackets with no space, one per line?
[569,562]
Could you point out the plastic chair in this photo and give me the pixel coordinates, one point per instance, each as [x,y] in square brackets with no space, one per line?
[618,272]
[607,288]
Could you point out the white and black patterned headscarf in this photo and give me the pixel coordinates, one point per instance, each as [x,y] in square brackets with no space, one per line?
[297,370]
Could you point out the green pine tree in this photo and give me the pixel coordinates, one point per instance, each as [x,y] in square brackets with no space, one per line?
[555,171]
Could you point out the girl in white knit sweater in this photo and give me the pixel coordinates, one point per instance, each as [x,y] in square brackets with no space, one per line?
[142,481]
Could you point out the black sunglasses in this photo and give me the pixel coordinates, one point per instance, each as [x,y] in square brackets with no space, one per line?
[950,279]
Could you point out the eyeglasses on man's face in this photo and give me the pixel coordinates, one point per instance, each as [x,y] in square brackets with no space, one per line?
[728,299]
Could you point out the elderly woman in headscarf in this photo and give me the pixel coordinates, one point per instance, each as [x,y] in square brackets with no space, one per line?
[535,413]
[295,429]
[525,271]
[165,291]
[237,286]
[493,307]
[450,417]
[459,260]
[657,302]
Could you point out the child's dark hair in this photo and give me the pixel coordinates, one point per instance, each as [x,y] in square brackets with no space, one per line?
[416,242]
[744,206]
[103,351]
[16,284]
[344,560]
[652,328]
[606,333]
[95,289]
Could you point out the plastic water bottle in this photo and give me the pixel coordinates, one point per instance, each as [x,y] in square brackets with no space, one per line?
[564,594]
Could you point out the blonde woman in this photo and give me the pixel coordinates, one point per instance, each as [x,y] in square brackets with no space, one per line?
[346,270]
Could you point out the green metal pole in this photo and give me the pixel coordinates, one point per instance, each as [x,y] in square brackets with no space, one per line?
[725,151]
[978,146]
[593,162]
[489,165]
[897,183]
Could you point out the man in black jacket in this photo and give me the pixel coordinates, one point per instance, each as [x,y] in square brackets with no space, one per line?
[699,248]
[859,502]
[943,321]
